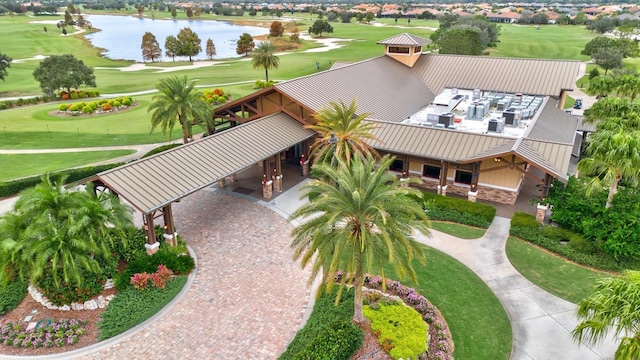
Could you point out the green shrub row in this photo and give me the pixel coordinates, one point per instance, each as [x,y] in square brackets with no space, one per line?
[400,328]
[8,104]
[175,258]
[131,307]
[13,187]
[329,333]
[160,149]
[11,295]
[457,210]
[567,244]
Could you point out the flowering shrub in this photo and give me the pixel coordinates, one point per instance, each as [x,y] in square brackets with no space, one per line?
[159,279]
[140,281]
[215,96]
[106,107]
[46,334]
[78,94]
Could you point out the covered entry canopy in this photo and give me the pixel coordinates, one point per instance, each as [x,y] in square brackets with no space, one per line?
[152,183]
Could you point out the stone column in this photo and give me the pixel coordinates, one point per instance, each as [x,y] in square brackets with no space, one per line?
[305,168]
[222,183]
[152,248]
[233,177]
[277,183]
[472,196]
[442,190]
[404,182]
[267,189]
[541,213]
[170,239]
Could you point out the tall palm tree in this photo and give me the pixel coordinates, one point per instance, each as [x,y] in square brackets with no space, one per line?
[352,131]
[180,102]
[613,153]
[52,230]
[613,305]
[362,220]
[263,57]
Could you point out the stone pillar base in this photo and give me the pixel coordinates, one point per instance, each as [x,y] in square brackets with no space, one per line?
[277,184]
[541,213]
[404,182]
[233,177]
[171,240]
[472,196]
[152,248]
[442,190]
[222,183]
[267,189]
[305,168]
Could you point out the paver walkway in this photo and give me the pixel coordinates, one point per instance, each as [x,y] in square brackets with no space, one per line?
[248,297]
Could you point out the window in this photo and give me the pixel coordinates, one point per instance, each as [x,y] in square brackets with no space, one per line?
[398,50]
[463,177]
[431,171]
[417,49]
[398,165]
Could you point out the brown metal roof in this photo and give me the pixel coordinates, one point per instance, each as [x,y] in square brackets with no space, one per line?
[443,144]
[528,76]
[553,124]
[339,64]
[151,183]
[552,157]
[405,39]
[382,86]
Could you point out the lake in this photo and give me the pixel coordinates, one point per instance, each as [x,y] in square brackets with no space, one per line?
[121,36]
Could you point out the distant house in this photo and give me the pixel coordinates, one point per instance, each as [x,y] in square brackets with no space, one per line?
[593,11]
[507,17]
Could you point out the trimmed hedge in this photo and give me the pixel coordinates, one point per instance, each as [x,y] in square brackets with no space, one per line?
[567,244]
[131,307]
[461,211]
[11,295]
[160,149]
[329,333]
[15,186]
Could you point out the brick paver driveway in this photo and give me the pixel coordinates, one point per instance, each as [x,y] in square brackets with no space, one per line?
[248,295]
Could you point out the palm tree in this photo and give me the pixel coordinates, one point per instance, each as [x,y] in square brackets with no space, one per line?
[362,220]
[263,57]
[179,101]
[352,131]
[601,86]
[54,231]
[613,305]
[628,86]
[613,153]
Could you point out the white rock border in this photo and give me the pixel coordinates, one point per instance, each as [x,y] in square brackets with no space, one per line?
[98,302]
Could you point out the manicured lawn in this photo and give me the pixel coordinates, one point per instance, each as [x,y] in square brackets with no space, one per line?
[22,165]
[551,273]
[478,322]
[550,42]
[458,230]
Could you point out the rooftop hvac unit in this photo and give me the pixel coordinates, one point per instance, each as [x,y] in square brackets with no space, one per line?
[432,118]
[477,94]
[446,119]
[452,127]
[495,125]
[455,101]
[471,111]
[441,126]
[511,117]
[481,111]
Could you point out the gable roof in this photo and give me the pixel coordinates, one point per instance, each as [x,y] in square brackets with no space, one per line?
[151,183]
[405,39]
[382,86]
[529,76]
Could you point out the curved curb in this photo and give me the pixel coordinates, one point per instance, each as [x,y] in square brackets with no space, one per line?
[92,349]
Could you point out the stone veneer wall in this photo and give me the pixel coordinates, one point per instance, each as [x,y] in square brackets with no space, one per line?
[484,193]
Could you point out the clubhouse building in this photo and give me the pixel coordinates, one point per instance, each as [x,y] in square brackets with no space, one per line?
[471,126]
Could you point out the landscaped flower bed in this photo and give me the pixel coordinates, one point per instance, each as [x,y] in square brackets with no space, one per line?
[98,106]
[46,334]
[215,96]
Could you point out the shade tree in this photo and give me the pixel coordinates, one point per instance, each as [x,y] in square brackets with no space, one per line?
[320,26]
[245,44]
[210,49]
[189,43]
[5,63]
[63,71]
[150,48]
